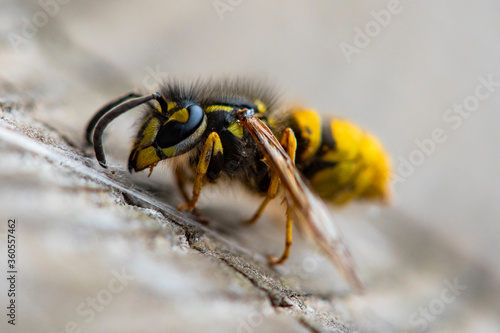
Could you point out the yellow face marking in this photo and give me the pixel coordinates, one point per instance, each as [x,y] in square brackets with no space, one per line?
[236,129]
[261,107]
[171,105]
[309,123]
[170,151]
[213,108]
[146,157]
[149,132]
[181,116]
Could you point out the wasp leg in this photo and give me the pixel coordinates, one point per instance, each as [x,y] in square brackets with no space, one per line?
[272,191]
[181,182]
[212,150]
[181,186]
[289,142]
[288,242]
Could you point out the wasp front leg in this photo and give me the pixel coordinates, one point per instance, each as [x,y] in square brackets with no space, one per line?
[180,180]
[212,152]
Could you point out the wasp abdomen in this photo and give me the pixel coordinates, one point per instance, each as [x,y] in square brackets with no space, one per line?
[341,161]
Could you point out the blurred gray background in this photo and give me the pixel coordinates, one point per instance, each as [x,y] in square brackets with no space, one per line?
[399,83]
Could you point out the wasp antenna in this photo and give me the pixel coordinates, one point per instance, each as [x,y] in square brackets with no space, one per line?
[103,110]
[108,117]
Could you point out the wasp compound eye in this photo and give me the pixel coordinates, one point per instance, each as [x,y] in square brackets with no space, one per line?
[180,126]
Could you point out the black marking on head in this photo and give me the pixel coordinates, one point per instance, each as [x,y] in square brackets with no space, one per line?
[163,104]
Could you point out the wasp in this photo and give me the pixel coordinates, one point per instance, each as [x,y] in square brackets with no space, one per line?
[238,131]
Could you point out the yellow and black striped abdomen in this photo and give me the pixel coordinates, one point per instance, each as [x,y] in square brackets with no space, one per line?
[341,161]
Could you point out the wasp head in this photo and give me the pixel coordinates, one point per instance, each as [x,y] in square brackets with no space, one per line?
[167,134]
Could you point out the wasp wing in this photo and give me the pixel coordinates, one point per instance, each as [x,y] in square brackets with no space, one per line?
[308,206]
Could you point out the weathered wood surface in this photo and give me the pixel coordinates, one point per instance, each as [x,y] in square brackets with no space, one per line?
[106,252]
